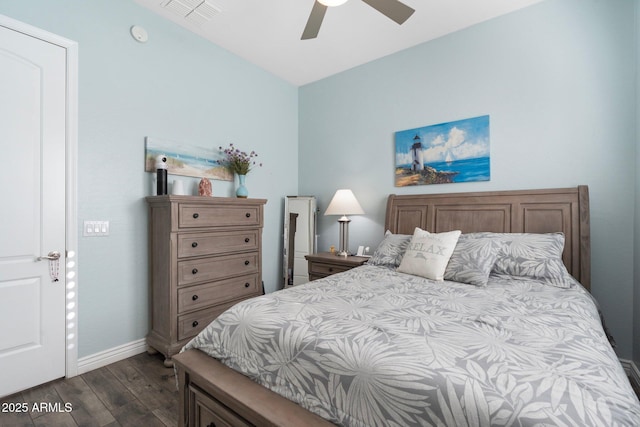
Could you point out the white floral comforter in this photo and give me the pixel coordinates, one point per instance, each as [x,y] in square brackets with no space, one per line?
[372,347]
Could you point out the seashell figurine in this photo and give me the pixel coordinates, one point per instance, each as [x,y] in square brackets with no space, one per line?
[204,188]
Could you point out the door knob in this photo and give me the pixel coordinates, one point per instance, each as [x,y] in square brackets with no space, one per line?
[53,255]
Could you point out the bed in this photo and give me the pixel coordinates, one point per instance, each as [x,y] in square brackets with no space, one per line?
[511,340]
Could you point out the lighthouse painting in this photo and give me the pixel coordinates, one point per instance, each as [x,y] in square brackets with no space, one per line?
[444,153]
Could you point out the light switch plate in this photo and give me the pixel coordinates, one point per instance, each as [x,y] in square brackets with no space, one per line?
[95,228]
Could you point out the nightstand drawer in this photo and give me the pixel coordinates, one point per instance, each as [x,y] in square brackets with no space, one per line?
[190,324]
[211,269]
[320,269]
[325,264]
[216,243]
[201,296]
[190,216]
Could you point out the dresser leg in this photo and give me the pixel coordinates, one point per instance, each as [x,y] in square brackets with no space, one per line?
[168,362]
[151,351]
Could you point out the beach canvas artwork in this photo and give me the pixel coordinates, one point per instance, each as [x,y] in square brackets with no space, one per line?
[186,159]
[444,153]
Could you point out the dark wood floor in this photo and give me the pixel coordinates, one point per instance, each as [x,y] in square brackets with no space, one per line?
[138,391]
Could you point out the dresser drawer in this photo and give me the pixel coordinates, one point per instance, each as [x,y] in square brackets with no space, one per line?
[201,296]
[193,215]
[221,267]
[190,324]
[198,244]
[320,269]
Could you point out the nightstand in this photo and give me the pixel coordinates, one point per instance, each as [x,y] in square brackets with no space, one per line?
[325,264]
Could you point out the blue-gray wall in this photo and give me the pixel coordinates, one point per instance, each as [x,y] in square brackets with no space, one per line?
[558,81]
[176,86]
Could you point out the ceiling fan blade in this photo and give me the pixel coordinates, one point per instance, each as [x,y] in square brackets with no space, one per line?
[315,20]
[392,9]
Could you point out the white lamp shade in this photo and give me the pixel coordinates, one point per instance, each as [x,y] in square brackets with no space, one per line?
[344,203]
[331,3]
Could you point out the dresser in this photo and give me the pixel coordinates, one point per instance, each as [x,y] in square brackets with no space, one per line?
[325,264]
[205,256]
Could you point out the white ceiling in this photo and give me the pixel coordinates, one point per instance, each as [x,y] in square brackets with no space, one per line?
[267,32]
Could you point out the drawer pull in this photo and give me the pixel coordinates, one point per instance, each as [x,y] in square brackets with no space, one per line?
[246,285]
[246,262]
[194,271]
[195,323]
[194,298]
[248,215]
[331,269]
[196,215]
[247,240]
[211,424]
[194,245]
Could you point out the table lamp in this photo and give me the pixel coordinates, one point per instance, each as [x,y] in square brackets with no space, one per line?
[344,203]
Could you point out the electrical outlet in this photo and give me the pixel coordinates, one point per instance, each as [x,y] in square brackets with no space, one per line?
[95,228]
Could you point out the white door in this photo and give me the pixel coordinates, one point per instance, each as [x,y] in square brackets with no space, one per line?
[32,223]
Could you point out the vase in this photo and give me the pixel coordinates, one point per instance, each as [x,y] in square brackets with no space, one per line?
[242,191]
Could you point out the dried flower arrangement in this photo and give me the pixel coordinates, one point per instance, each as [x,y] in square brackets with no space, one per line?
[238,161]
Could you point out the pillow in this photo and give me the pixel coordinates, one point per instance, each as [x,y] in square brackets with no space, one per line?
[472,260]
[428,253]
[389,253]
[538,256]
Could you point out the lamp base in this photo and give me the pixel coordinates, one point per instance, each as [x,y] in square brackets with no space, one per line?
[344,236]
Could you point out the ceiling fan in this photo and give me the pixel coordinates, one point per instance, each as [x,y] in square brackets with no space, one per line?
[392,9]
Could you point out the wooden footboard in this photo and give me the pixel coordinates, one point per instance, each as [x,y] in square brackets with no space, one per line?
[211,394]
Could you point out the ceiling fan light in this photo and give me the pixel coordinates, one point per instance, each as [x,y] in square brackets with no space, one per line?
[331,3]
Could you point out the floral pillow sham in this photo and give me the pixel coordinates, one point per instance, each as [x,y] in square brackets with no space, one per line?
[472,260]
[390,251]
[538,256]
[534,255]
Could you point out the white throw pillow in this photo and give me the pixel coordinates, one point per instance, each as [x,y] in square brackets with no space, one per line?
[428,253]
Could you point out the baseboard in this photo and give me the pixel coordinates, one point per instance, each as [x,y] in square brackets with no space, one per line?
[112,355]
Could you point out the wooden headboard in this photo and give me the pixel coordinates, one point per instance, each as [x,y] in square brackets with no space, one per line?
[524,211]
